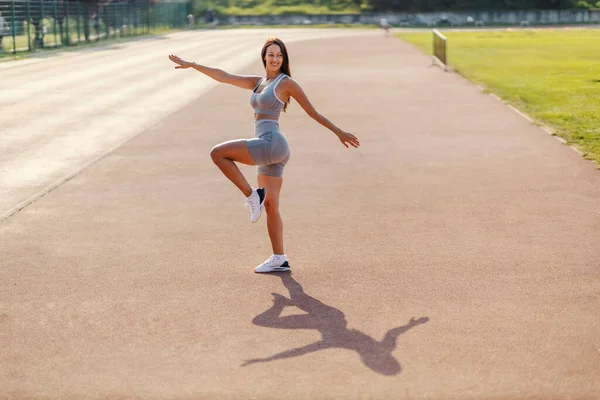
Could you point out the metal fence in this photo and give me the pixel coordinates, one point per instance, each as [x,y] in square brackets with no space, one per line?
[26,25]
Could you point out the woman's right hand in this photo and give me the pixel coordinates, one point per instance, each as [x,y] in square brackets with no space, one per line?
[347,139]
[181,63]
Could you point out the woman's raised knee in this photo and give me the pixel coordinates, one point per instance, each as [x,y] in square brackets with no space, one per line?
[216,153]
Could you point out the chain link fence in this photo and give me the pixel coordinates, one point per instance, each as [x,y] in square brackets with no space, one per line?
[26,25]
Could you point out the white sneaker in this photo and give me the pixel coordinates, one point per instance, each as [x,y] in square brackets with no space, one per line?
[255,203]
[275,263]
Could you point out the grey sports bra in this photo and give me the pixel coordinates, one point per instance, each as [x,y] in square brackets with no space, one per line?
[267,102]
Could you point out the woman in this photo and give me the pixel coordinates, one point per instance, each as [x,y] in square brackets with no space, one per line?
[269,149]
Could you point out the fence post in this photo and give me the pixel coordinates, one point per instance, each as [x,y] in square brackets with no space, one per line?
[68,37]
[133,14]
[54,24]
[147,5]
[105,11]
[42,23]
[13,27]
[86,22]
[129,19]
[77,23]
[150,17]
[28,28]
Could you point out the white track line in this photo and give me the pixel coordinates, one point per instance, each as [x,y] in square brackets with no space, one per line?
[532,121]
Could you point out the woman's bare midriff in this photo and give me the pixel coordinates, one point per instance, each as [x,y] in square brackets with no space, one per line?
[263,116]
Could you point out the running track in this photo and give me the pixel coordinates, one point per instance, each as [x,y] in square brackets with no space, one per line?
[133,278]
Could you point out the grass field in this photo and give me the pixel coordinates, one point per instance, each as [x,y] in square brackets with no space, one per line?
[551,75]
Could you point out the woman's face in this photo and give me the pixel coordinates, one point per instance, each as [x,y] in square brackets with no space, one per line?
[273,58]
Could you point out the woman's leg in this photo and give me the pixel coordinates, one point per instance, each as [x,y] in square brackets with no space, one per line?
[274,222]
[226,154]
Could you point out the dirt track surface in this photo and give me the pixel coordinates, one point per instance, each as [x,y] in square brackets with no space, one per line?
[135,278]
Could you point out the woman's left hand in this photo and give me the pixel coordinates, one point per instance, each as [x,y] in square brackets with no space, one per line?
[181,62]
[348,139]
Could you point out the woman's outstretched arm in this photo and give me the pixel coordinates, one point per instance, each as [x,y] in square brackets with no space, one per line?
[243,81]
[295,91]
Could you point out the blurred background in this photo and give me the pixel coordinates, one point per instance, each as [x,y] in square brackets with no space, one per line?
[29,25]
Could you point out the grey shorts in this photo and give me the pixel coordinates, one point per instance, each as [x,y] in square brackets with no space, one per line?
[269,149]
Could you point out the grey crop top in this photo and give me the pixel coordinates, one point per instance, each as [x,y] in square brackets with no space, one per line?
[267,102]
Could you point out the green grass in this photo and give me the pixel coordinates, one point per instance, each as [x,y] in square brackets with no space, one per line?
[312,26]
[304,9]
[278,7]
[551,75]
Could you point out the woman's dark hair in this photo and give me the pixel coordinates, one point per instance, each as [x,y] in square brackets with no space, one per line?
[285,65]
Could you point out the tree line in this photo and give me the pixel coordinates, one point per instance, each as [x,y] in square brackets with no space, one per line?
[471,5]
[262,6]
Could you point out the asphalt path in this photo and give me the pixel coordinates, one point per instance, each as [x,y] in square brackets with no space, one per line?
[454,255]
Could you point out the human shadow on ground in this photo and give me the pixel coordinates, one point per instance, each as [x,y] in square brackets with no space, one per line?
[331,323]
